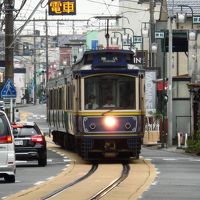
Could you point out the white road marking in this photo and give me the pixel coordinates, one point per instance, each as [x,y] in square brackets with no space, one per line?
[67,160]
[195,160]
[157,172]
[170,159]
[39,182]
[50,178]
[154,183]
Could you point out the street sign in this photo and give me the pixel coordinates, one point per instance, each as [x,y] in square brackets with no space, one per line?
[159,34]
[137,39]
[196,19]
[62,7]
[7,103]
[8,90]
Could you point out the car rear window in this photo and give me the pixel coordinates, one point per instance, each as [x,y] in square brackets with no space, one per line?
[25,131]
[4,126]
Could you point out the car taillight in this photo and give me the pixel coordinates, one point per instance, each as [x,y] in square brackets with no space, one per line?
[38,139]
[6,139]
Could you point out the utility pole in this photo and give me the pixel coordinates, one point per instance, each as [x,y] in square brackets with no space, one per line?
[152,33]
[170,64]
[47,50]
[34,63]
[9,68]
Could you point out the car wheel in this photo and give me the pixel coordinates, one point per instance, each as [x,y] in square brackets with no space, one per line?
[9,178]
[42,160]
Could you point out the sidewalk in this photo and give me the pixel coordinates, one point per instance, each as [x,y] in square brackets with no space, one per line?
[173,148]
[20,105]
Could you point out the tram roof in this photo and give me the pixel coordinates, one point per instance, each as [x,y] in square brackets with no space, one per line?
[108,50]
[103,51]
[105,58]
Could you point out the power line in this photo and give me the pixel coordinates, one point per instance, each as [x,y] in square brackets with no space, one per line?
[118,6]
[22,5]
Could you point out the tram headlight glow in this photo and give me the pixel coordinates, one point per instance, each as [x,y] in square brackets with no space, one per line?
[110,122]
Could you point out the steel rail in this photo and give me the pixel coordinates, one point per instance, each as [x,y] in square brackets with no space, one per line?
[115,183]
[56,192]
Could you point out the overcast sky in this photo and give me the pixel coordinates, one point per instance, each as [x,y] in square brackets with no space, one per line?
[85,9]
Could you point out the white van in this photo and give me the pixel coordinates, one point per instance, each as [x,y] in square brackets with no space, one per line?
[7,150]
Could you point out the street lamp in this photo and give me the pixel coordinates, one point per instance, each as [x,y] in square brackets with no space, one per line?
[145,30]
[192,35]
[144,34]
[115,39]
[191,55]
[126,36]
[154,47]
[181,17]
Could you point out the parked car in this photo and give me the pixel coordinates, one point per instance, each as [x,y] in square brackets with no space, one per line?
[30,143]
[7,150]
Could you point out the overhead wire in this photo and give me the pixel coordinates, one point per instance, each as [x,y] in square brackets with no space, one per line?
[93,1]
[22,5]
[46,4]
[107,7]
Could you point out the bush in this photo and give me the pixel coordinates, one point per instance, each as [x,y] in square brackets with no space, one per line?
[194,144]
[193,147]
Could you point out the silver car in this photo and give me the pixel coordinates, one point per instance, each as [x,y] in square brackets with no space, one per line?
[7,150]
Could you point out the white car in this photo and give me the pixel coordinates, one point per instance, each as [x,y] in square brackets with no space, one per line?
[7,150]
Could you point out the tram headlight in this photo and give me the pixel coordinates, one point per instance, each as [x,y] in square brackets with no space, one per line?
[110,121]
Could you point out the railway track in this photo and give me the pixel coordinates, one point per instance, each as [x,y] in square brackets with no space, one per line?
[99,194]
[65,187]
[114,184]
[83,181]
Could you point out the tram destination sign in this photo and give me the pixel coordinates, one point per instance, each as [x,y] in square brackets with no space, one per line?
[62,7]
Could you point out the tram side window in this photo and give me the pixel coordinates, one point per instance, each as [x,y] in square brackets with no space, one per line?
[54,102]
[69,97]
[66,97]
[60,98]
[50,100]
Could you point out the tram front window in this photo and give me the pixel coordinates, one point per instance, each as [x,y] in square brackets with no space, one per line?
[110,92]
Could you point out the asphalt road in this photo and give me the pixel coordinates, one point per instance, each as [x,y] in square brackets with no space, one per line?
[29,173]
[178,176]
